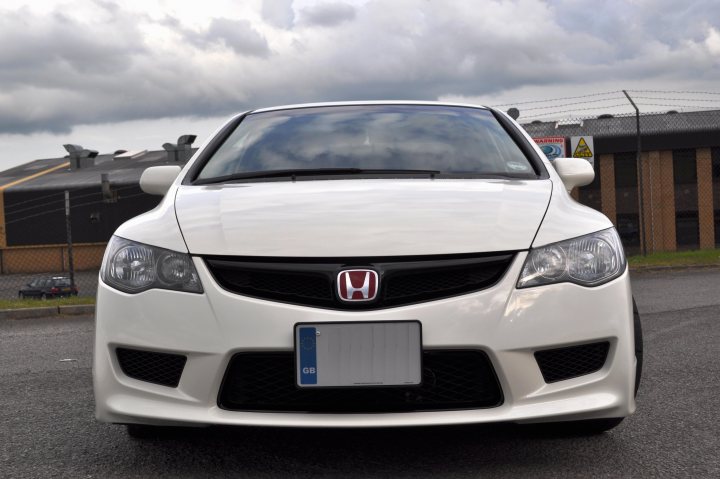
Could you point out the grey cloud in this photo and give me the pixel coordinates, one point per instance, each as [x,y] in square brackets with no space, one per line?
[239,35]
[236,34]
[57,71]
[278,13]
[327,14]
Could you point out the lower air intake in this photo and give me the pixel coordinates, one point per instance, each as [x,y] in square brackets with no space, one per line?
[450,380]
[159,368]
[566,363]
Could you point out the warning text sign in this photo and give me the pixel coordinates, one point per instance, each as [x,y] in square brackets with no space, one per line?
[552,146]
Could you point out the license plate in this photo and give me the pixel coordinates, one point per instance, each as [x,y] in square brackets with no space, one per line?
[358,354]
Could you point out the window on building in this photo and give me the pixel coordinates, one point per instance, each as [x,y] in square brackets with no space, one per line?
[589,195]
[626,201]
[716,192]
[687,231]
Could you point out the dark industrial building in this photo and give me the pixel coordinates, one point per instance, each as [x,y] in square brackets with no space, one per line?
[104,192]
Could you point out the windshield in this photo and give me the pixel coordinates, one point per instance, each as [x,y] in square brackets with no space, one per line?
[450,140]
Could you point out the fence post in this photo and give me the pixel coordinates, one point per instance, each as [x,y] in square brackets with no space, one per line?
[638,162]
[68,231]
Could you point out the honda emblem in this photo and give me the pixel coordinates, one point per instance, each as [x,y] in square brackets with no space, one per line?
[357,285]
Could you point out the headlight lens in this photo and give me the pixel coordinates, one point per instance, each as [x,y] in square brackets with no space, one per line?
[134,267]
[588,261]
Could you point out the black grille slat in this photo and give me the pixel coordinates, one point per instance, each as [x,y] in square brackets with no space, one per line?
[403,288]
[159,368]
[291,285]
[571,362]
[403,281]
[451,380]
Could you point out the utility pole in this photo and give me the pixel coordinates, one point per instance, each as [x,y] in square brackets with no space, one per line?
[641,203]
[68,232]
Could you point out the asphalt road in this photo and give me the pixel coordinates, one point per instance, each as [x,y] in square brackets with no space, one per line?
[47,427]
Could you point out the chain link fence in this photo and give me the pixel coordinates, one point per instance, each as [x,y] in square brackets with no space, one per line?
[53,240]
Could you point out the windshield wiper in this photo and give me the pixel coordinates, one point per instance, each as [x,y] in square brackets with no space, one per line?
[292,173]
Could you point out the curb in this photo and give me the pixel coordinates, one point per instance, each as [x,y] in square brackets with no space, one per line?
[47,312]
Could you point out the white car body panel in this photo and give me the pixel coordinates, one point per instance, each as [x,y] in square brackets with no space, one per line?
[210,328]
[397,217]
[361,217]
[158,227]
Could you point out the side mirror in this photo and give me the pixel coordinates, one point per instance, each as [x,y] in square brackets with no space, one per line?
[156,180]
[574,172]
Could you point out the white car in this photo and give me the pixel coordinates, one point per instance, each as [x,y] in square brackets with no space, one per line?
[366,264]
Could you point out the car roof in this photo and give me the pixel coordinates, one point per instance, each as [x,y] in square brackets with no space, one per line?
[365,103]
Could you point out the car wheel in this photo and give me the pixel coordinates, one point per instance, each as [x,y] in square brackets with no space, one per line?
[638,346]
[587,427]
[143,431]
[43,297]
[21,295]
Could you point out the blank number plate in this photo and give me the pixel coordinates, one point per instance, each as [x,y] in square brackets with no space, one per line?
[358,354]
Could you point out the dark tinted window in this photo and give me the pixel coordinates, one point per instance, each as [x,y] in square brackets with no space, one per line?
[62,282]
[399,137]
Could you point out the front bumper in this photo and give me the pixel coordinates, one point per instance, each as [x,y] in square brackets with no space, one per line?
[508,324]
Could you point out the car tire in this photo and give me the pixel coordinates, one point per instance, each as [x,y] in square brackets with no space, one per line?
[21,295]
[43,297]
[144,431]
[638,347]
[587,427]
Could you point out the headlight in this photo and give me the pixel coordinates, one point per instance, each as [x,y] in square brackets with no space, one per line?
[588,261]
[134,267]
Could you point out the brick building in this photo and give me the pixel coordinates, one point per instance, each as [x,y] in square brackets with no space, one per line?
[679,177]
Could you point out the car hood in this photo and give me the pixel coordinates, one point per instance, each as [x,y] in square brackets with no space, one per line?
[351,218]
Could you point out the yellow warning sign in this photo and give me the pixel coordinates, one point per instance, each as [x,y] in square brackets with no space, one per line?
[582,150]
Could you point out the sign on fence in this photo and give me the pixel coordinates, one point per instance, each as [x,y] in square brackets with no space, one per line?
[552,146]
[583,147]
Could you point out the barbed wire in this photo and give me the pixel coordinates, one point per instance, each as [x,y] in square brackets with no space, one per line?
[620,105]
[673,99]
[696,107]
[557,99]
[571,104]
[675,92]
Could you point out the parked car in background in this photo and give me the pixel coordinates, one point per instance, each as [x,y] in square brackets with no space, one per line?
[49,287]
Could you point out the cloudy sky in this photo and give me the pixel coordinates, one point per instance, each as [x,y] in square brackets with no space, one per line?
[134,74]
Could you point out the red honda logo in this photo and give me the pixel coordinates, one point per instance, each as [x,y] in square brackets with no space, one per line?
[357,285]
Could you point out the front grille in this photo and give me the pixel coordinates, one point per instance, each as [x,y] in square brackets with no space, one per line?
[159,368]
[450,380]
[403,280]
[571,362]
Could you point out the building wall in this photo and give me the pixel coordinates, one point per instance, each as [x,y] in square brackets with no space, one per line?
[678,192]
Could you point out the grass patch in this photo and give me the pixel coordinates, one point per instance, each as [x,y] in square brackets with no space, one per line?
[678,258]
[39,303]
